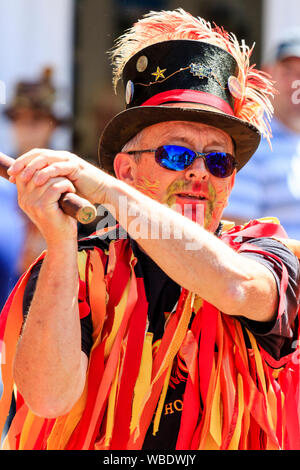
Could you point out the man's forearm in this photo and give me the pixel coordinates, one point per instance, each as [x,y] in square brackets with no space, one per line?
[193,257]
[49,367]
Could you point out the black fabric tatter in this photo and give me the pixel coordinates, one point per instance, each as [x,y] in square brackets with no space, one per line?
[162,292]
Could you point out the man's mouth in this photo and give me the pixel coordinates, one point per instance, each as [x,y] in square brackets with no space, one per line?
[191,196]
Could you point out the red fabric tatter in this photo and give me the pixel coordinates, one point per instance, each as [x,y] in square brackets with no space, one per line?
[95,375]
[130,370]
[41,442]
[254,229]
[207,347]
[84,308]
[118,281]
[191,410]
[228,386]
[112,361]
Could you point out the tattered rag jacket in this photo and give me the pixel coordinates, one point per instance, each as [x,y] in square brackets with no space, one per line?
[236,396]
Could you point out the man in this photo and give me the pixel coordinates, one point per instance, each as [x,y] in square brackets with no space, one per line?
[270,183]
[179,327]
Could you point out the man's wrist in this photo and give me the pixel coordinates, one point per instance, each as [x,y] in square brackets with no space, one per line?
[60,248]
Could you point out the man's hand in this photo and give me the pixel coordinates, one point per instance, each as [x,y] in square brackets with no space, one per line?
[42,176]
[40,203]
[40,165]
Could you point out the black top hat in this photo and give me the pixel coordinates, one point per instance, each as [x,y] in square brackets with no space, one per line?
[228,95]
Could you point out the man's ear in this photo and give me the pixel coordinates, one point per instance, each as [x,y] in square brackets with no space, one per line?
[231,184]
[125,167]
[232,181]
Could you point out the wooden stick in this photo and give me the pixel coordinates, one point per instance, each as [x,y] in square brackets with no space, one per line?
[70,203]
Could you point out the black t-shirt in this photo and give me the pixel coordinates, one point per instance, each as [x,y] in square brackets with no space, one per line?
[162,294]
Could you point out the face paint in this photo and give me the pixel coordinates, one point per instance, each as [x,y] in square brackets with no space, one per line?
[218,196]
[147,186]
[210,206]
[180,191]
[172,190]
[193,209]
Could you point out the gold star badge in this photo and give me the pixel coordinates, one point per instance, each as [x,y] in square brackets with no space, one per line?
[159,73]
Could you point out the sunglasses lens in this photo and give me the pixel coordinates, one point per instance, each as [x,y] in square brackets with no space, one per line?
[220,164]
[174,157]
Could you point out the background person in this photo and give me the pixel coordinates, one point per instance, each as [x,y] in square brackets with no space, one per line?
[270,184]
[33,123]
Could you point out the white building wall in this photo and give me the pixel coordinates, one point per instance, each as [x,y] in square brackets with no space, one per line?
[278,15]
[35,34]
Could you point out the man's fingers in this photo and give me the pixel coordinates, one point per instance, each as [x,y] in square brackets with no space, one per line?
[65,168]
[32,197]
[57,187]
[21,162]
[28,159]
[36,164]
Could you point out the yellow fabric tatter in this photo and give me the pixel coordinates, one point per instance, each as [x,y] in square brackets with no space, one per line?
[111,409]
[227,225]
[81,261]
[261,375]
[178,336]
[198,303]
[206,441]
[234,443]
[161,401]
[216,414]
[160,365]
[214,392]
[30,431]
[118,316]
[269,220]
[65,425]
[97,293]
[143,380]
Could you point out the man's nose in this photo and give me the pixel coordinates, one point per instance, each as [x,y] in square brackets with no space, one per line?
[197,170]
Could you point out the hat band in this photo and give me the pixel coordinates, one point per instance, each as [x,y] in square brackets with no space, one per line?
[193,96]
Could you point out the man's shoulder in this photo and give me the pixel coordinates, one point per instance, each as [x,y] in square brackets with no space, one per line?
[265,232]
[255,228]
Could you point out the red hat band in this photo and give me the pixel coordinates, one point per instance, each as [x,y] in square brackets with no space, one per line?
[189,96]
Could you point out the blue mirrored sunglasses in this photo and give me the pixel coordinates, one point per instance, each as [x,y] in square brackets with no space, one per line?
[176,158]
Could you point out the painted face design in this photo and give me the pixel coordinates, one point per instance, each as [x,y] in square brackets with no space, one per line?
[147,186]
[201,209]
[193,192]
